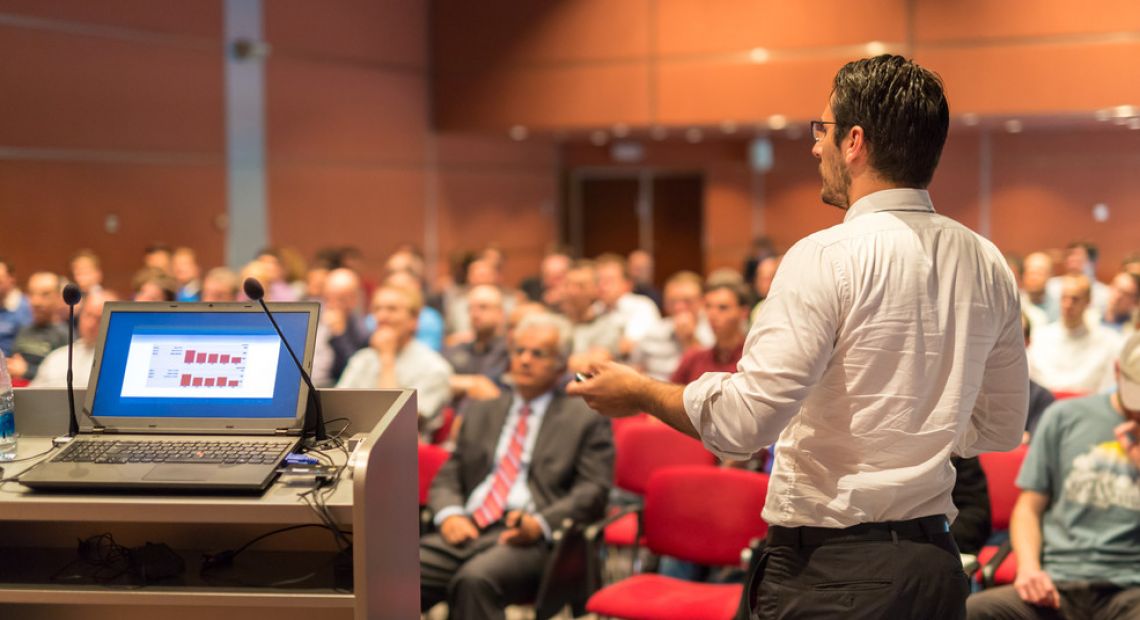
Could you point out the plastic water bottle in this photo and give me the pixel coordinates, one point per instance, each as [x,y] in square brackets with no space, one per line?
[7,413]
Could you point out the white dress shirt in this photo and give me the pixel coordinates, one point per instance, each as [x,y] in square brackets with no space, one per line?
[519,496]
[1074,360]
[888,343]
[53,370]
[417,367]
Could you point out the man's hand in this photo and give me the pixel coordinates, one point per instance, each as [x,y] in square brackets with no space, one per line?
[482,388]
[458,529]
[17,365]
[522,529]
[385,342]
[685,328]
[614,390]
[1126,435]
[1035,587]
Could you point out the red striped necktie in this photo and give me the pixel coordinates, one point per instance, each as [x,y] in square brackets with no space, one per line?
[505,475]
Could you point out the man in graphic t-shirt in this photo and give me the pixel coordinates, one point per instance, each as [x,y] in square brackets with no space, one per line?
[1076,526]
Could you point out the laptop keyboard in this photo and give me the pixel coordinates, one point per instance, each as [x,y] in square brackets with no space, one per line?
[218,452]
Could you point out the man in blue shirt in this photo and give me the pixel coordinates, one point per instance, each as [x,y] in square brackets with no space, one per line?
[15,312]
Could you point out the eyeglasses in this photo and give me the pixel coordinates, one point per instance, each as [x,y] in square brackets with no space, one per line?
[538,354]
[819,129]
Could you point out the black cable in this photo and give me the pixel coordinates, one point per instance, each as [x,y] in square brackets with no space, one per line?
[16,478]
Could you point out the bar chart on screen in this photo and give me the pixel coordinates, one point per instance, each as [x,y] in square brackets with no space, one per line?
[240,366]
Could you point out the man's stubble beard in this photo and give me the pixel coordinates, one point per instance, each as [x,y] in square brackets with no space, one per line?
[835,186]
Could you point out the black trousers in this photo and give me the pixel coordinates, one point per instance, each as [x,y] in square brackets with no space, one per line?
[480,578]
[898,570]
[1079,601]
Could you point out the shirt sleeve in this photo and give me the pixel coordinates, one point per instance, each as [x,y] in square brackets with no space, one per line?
[998,418]
[1038,470]
[787,351]
[432,385]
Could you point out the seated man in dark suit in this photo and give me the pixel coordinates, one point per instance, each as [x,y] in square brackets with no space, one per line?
[523,463]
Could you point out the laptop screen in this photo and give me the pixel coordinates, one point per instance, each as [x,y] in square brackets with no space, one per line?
[195,362]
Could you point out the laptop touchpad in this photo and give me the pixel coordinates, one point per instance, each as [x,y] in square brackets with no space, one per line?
[180,473]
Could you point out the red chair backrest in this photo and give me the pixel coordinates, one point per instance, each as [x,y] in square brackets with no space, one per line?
[431,458]
[642,449]
[620,424]
[704,514]
[1001,471]
[1063,394]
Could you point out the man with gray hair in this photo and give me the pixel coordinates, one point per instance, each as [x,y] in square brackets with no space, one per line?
[524,463]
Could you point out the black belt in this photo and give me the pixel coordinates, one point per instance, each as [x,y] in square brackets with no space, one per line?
[921,528]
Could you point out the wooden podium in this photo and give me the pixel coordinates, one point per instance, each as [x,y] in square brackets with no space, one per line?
[287,576]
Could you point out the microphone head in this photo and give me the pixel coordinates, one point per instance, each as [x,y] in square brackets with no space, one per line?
[71,294]
[253,289]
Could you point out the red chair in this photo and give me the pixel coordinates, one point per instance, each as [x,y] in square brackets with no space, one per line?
[1064,394]
[442,434]
[998,565]
[620,424]
[699,514]
[640,450]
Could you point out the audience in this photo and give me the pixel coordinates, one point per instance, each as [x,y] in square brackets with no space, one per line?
[1080,260]
[429,324]
[220,284]
[394,359]
[53,369]
[641,272]
[1076,525]
[523,463]
[85,271]
[1123,298]
[46,332]
[596,336]
[480,363]
[1039,397]
[153,284]
[635,313]
[157,256]
[187,274]
[726,305]
[1037,269]
[684,328]
[342,330]
[15,311]
[1072,354]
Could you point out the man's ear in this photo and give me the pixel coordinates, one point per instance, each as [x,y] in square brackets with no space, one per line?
[854,144]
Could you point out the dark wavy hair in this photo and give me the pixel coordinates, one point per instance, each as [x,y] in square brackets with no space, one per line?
[903,112]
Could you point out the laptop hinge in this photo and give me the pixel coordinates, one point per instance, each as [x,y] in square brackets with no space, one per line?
[278,432]
[99,430]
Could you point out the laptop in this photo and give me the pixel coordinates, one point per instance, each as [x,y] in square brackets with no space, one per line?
[187,397]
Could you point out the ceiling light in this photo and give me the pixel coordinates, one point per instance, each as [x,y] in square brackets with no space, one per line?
[658,132]
[874,48]
[621,130]
[694,135]
[1013,126]
[517,133]
[759,55]
[728,127]
[777,122]
[971,119]
[598,138]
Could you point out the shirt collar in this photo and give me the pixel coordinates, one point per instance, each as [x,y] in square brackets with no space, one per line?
[538,406]
[901,199]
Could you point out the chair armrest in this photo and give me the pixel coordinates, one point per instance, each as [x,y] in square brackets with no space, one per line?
[594,530]
[565,580]
[989,570]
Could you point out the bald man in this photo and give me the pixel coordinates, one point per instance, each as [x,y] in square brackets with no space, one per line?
[46,331]
[1074,354]
[341,331]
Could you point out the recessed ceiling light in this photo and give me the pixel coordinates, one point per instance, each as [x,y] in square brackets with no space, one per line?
[1013,126]
[874,48]
[659,132]
[971,119]
[1102,115]
[1134,123]
[728,127]
[598,138]
[694,135]
[621,130]
[518,132]
[777,122]
[759,55]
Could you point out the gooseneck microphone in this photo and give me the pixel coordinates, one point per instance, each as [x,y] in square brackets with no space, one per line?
[71,296]
[314,426]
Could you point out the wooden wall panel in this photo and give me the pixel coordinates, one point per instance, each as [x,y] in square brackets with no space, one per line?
[476,36]
[687,27]
[375,209]
[67,91]
[939,20]
[728,214]
[1038,79]
[320,111]
[513,211]
[957,181]
[388,31]
[792,206]
[51,209]
[1046,184]
[708,92]
[200,18]
[566,96]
